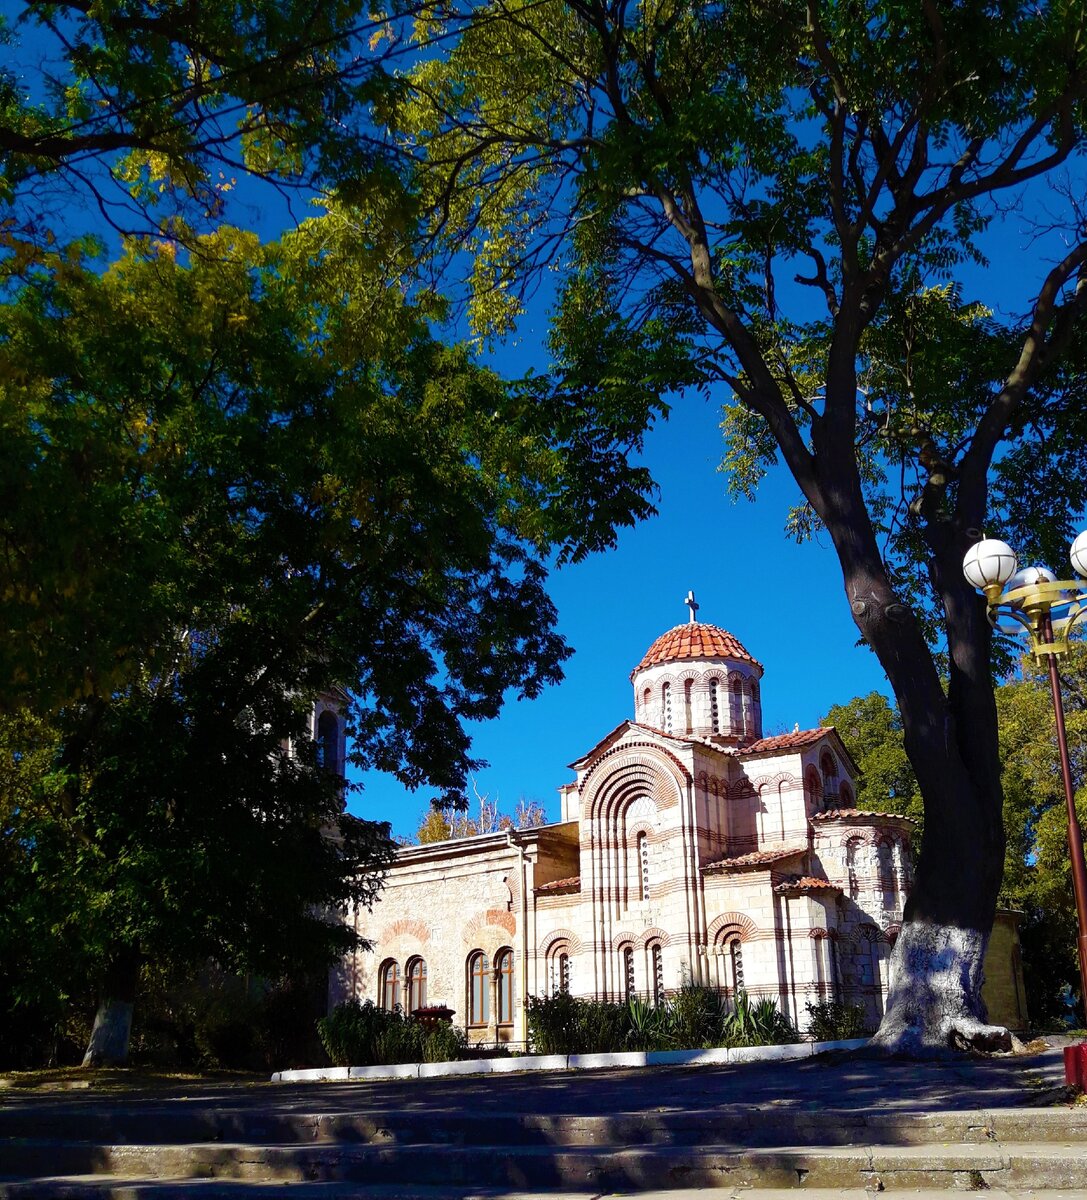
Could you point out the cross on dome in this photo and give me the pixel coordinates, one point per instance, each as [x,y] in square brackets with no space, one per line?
[692,606]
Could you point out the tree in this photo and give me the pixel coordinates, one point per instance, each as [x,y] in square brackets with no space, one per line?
[789,192]
[230,484]
[1037,874]
[441,824]
[871,728]
[152,109]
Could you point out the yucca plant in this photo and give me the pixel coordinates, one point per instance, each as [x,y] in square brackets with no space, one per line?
[756,1023]
[647,1026]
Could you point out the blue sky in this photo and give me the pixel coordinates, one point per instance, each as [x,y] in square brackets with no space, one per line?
[784,602]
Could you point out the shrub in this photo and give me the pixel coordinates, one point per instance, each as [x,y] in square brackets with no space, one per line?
[554,1023]
[833,1021]
[443,1042]
[359,1034]
[756,1024]
[648,1027]
[695,1017]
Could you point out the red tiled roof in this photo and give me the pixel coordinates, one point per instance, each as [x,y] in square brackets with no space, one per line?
[806,883]
[573,884]
[693,640]
[785,741]
[835,814]
[756,858]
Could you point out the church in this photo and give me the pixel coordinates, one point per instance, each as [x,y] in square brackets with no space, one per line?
[691,848]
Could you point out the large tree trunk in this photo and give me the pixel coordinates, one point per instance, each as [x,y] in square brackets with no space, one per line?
[108,1045]
[936,970]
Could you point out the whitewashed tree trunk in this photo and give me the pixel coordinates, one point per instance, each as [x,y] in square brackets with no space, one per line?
[934,1002]
[108,1045]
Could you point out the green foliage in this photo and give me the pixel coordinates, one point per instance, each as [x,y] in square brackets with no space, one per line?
[695,1017]
[833,1021]
[361,1034]
[757,1023]
[167,107]
[871,729]
[792,204]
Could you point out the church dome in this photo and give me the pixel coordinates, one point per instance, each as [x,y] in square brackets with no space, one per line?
[695,639]
[698,680]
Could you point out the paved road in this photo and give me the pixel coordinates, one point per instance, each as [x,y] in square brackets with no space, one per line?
[845,1082]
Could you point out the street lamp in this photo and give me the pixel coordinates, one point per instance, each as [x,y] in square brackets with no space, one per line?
[1047,608]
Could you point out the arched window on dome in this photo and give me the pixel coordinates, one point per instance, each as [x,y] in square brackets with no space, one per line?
[735,705]
[666,708]
[647,704]
[748,710]
[328,742]
[715,706]
[688,715]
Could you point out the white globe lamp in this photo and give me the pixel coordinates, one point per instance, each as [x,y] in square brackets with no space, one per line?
[989,563]
[1078,555]
[1029,576]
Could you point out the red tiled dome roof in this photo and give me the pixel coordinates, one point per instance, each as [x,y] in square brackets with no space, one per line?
[693,640]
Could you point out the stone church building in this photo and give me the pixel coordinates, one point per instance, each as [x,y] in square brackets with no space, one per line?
[690,848]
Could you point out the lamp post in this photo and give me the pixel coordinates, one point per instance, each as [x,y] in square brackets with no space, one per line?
[1047,608]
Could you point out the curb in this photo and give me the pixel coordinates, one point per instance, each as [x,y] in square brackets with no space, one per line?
[571,1062]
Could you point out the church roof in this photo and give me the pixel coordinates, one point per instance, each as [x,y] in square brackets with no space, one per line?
[561,886]
[695,639]
[786,741]
[805,885]
[852,814]
[757,858]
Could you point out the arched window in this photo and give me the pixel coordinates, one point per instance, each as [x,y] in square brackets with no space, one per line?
[558,968]
[479,989]
[628,972]
[328,742]
[852,851]
[389,984]
[715,708]
[830,777]
[647,701]
[735,705]
[666,707]
[688,718]
[748,710]
[503,969]
[656,971]
[416,973]
[643,867]
[736,965]
[887,881]
[814,789]
[845,795]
